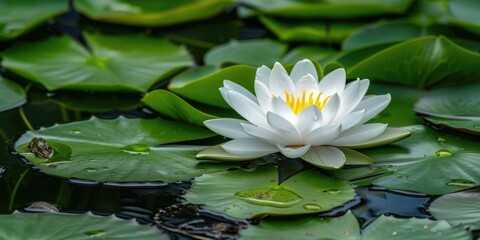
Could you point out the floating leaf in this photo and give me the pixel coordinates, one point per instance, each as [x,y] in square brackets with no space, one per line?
[319,31]
[116,63]
[421,63]
[420,229]
[333,9]
[459,102]
[246,194]
[169,104]
[73,226]
[11,95]
[201,85]
[307,52]
[120,150]
[471,126]
[255,52]
[464,13]
[344,227]
[428,161]
[19,16]
[459,208]
[148,13]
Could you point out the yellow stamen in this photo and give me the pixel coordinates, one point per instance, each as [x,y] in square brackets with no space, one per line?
[297,104]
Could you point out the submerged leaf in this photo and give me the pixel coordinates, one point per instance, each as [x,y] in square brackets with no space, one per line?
[459,208]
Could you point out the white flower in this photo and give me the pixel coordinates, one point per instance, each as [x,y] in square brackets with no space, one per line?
[299,116]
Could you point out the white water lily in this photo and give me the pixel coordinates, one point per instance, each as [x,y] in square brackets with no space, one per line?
[299,116]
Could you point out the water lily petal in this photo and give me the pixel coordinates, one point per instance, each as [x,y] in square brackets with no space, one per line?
[247,108]
[281,108]
[323,135]
[308,84]
[264,96]
[237,88]
[333,82]
[306,119]
[325,157]
[280,81]
[358,134]
[228,127]
[224,92]
[301,69]
[249,147]
[352,96]
[263,75]
[373,106]
[293,152]
[330,110]
[264,134]
[284,127]
[352,119]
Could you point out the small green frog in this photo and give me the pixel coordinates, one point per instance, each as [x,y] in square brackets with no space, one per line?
[40,148]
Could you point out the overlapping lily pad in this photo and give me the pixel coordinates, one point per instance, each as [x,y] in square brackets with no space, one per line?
[73,226]
[19,16]
[148,13]
[422,229]
[11,95]
[429,161]
[201,85]
[255,52]
[120,150]
[334,9]
[421,63]
[344,227]
[471,125]
[251,193]
[464,13]
[114,63]
[460,208]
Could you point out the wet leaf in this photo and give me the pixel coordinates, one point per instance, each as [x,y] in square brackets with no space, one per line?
[116,63]
[148,13]
[471,126]
[422,229]
[251,193]
[313,227]
[121,150]
[20,16]
[459,208]
[73,226]
[11,95]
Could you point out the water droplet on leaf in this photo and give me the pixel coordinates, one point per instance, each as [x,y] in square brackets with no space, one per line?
[461,183]
[90,169]
[137,149]
[333,191]
[312,207]
[271,197]
[75,131]
[96,233]
[443,153]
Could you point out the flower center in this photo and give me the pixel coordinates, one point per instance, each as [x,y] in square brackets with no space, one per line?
[298,103]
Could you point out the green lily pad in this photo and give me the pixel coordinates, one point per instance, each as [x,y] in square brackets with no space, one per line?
[459,102]
[399,111]
[420,229]
[120,150]
[201,85]
[340,228]
[306,52]
[471,126]
[421,63]
[43,226]
[11,95]
[251,193]
[148,13]
[89,101]
[428,161]
[381,33]
[169,104]
[310,31]
[464,13]
[255,52]
[332,9]
[459,208]
[62,63]
[19,16]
